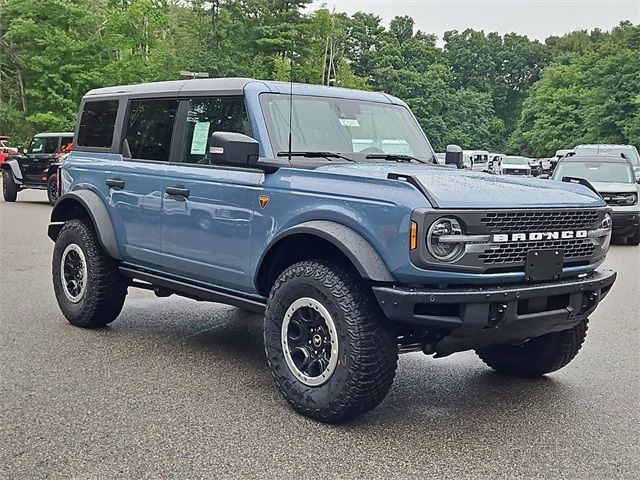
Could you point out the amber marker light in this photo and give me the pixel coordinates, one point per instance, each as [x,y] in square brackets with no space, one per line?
[413,236]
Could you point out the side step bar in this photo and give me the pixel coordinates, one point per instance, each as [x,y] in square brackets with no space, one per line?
[195,292]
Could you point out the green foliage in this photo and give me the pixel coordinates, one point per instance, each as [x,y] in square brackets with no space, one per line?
[480,90]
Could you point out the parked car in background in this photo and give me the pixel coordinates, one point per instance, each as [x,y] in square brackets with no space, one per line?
[629,152]
[495,162]
[5,148]
[613,178]
[35,168]
[476,160]
[516,165]
[536,166]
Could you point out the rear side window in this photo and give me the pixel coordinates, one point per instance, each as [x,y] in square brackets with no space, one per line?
[208,115]
[150,128]
[97,124]
[65,141]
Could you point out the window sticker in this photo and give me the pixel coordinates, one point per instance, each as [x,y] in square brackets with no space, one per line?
[200,138]
[349,122]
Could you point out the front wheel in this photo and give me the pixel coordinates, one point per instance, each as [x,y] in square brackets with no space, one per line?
[52,188]
[537,356]
[328,345]
[9,187]
[86,281]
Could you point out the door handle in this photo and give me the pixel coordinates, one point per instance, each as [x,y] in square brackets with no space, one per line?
[115,183]
[177,191]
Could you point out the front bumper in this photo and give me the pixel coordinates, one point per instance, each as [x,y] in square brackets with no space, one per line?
[625,224]
[479,317]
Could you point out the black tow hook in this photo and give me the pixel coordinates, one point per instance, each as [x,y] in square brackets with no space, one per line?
[589,301]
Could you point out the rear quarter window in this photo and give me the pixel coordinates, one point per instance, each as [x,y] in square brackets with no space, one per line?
[97,124]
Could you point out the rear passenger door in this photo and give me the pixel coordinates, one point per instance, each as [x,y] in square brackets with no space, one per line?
[208,208]
[136,184]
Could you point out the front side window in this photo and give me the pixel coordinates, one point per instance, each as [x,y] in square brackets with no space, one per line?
[341,125]
[97,124]
[150,128]
[208,115]
[36,146]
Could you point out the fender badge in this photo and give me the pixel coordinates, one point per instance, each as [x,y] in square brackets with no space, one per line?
[263,200]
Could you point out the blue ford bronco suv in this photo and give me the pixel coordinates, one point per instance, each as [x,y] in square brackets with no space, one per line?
[325,209]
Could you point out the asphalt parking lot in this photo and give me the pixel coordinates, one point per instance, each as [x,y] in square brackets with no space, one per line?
[180,389]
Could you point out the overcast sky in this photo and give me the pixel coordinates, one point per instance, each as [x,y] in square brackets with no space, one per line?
[535,18]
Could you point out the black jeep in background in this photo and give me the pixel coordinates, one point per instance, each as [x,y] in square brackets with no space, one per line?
[34,167]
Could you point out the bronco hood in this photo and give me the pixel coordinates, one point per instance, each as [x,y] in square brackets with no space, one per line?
[453,188]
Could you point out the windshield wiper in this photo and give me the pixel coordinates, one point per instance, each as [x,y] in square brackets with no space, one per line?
[328,155]
[394,157]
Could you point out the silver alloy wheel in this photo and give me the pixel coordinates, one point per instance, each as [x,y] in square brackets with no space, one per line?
[73,273]
[309,341]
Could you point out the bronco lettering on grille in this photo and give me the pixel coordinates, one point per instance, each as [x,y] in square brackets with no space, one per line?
[534,236]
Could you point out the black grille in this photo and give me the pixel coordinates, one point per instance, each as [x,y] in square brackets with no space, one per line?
[539,221]
[516,252]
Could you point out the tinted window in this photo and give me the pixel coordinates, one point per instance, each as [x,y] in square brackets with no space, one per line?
[97,124]
[150,128]
[210,115]
[65,141]
[50,144]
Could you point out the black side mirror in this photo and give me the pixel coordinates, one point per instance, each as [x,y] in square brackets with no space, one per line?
[454,156]
[230,148]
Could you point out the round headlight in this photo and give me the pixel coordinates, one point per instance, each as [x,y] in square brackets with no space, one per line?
[445,251]
[605,240]
[630,199]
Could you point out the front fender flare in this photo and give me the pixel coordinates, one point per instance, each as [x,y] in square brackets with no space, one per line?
[71,205]
[354,246]
[15,169]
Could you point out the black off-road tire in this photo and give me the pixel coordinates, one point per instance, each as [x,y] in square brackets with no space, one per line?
[635,238]
[367,347]
[538,356]
[52,188]
[9,187]
[105,290]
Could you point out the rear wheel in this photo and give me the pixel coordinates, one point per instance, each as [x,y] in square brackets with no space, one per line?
[537,356]
[331,353]
[86,281]
[9,187]
[52,188]
[635,238]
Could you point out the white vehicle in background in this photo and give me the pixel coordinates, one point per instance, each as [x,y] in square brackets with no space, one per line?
[476,160]
[629,152]
[516,165]
[440,156]
[495,162]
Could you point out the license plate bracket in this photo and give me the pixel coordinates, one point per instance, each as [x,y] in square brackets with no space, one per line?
[544,264]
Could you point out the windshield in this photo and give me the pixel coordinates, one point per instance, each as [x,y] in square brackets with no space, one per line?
[613,150]
[325,124]
[516,161]
[595,171]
